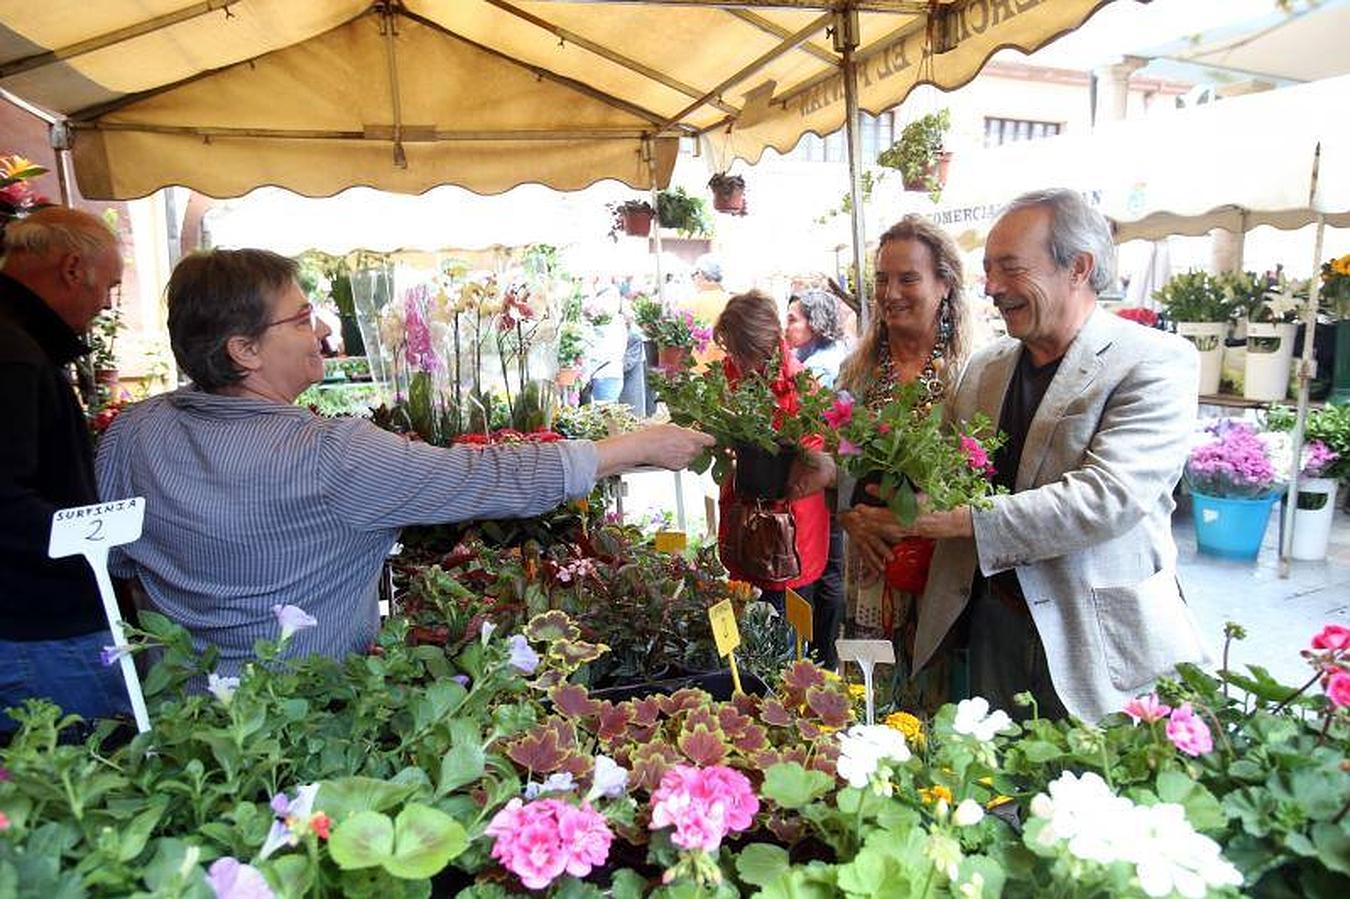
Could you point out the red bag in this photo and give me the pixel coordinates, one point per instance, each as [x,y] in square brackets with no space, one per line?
[907,568]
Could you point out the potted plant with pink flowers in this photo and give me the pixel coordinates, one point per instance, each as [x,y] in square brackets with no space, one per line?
[904,451]
[1234,482]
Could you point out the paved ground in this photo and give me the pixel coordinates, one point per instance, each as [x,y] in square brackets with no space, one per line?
[1280,614]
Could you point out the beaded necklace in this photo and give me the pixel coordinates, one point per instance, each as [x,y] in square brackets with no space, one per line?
[882,389]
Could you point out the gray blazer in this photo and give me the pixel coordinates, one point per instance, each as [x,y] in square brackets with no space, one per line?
[1089,527]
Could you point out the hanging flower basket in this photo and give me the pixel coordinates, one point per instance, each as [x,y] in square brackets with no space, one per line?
[637,222]
[728,193]
[934,177]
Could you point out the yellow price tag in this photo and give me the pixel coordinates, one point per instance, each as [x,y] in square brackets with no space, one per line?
[799,615]
[725,632]
[671,541]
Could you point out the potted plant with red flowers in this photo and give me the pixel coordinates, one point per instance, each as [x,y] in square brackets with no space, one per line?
[728,193]
[904,450]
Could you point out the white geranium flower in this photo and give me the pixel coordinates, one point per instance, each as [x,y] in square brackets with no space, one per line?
[968,813]
[863,747]
[973,718]
[1095,825]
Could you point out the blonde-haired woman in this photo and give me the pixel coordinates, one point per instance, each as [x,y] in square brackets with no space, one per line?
[919,331]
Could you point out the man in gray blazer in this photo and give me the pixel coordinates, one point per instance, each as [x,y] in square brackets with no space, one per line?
[1070,579]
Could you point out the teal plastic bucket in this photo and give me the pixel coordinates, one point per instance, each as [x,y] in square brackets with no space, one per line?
[1230,527]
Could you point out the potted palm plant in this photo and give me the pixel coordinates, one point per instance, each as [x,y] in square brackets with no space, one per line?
[919,156]
[1195,302]
[728,193]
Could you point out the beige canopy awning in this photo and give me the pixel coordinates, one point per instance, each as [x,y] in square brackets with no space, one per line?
[320,95]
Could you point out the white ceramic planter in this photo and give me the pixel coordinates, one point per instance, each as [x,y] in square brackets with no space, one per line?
[1208,338]
[1266,375]
[1312,527]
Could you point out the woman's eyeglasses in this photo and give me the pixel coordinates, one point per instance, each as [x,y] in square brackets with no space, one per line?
[304,316]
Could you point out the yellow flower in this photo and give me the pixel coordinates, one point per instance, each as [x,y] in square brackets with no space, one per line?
[908,725]
[11,165]
[740,591]
[857,692]
[932,794]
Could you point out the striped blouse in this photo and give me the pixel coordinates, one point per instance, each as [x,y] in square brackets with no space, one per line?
[251,503]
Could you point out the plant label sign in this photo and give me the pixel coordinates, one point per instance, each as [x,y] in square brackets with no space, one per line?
[867,653]
[799,616]
[727,636]
[91,531]
[671,541]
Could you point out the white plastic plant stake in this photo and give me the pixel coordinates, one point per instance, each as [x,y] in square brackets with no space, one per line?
[867,653]
[90,531]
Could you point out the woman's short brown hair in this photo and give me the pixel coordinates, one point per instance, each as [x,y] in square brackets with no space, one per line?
[749,329]
[216,295]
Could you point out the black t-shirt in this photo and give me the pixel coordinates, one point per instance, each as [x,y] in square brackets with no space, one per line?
[46,463]
[1025,392]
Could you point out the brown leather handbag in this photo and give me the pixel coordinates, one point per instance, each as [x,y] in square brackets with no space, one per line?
[760,540]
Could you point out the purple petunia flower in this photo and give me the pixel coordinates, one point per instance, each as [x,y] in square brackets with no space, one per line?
[523,658]
[292,619]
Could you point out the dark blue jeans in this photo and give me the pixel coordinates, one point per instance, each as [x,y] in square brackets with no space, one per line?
[68,672]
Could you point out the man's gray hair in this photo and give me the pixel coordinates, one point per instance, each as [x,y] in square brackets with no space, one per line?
[1075,227]
[62,230]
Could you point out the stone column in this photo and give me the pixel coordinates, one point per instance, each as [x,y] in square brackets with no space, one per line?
[1113,88]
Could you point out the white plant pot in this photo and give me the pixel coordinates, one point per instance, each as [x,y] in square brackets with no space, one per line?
[1312,527]
[1208,338]
[1266,375]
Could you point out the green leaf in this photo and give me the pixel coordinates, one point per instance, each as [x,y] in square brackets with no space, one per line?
[293,873]
[627,884]
[1202,809]
[425,839]
[1039,751]
[135,834]
[362,840]
[761,863]
[792,786]
[348,795]
[1333,846]
[462,765]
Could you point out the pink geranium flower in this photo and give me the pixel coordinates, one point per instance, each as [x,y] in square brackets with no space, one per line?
[1188,733]
[703,805]
[841,413]
[541,840]
[1333,637]
[849,448]
[1338,688]
[1147,709]
[976,457]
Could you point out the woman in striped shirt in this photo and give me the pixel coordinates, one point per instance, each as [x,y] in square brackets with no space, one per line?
[254,502]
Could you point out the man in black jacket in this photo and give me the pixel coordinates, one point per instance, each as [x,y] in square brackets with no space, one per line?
[59,269]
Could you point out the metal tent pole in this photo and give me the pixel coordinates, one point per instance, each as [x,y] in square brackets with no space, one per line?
[1306,368]
[845,34]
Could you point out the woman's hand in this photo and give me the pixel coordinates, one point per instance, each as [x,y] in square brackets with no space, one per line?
[812,472]
[667,446]
[873,530]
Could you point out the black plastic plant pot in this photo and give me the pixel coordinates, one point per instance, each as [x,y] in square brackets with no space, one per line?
[761,474]
[860,495]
